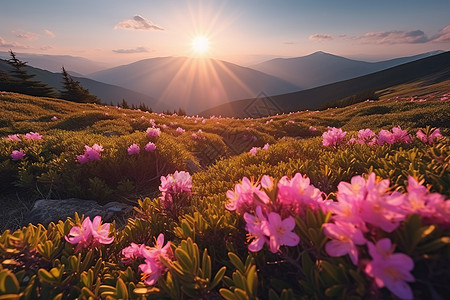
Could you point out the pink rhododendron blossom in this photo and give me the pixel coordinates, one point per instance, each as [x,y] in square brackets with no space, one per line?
[254,227]
[400,136]
[33,136]
[267,182]
[345,236]
[176,184]
[297,194]
[431,207]
[385,137]
[132,252]
[429,139]
[153,267]
[17,155]
[333,137]
[90,154]
[280,232]
[242,198]
[153,132]
[312,128]
[54,118]
[133,149]
[90,234]
[180,130]
[366,136]
[254,150]
[13,137]
[150,147]
[390,270]
[369,201]
[266,147]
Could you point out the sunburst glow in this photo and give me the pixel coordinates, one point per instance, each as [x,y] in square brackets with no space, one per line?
[200,44]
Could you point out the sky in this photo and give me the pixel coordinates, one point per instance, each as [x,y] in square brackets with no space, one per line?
[244,32]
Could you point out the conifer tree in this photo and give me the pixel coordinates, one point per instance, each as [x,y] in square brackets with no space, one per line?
[73,91]
[124,104]
[23,82]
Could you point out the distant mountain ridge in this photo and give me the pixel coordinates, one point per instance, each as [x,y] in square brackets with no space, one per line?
[436,66]
[322,68]
[193,83]
[106,92]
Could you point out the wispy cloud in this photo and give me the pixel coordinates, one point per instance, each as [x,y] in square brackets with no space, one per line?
[289,43]
[443,36]
[389,37]
[49,33]
[137,22]
[134,50]
[26,35]
[5,44]
[320,37]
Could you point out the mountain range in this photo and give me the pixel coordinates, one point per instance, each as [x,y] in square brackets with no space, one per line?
[204,84]
[424,71]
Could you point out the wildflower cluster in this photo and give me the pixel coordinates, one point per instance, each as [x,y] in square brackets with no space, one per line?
[153,266]
[90,154]
[90,234]
[364,213]
[175,191]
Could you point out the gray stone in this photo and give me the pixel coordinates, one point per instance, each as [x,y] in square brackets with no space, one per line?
[46,211]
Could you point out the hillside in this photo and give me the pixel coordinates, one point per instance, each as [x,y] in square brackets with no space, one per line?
[436,68]
[193,83]
[322,68]
[106,92]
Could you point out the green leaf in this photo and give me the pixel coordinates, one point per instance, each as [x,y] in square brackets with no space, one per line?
[236,261]
[335,290]
[252,280]
[184,260]
[227,294]
[121,289]
[206,265]
[218,277]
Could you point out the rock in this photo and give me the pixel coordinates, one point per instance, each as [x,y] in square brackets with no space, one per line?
[46,211]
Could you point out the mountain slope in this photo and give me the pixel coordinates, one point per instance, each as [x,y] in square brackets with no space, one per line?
[437,66]
[193,83]
[321,68]
[106,92]
[54,63]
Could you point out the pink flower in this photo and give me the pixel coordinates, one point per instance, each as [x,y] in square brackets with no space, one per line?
[430,137]
[385,137]
[345,237]
[280,232]
[242,198]
[365,136]
[400,136]
[333,137]
[266,147]
[17,154]
[390,270]
[90,234]
[150,147]
[90,154]
[153,132]
[312,128]
[180,130]
[33,136]
[297,194]
[267,182]
[132,252]
[254,150]
[153,267]
[133,150]
[13,137]
[54,118]
[255,230]
[176,184]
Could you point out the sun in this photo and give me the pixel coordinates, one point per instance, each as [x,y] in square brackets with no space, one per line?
[200,44]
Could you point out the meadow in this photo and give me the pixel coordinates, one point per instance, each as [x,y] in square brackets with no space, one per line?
[304,205]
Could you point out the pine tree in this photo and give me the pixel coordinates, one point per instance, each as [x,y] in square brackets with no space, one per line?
[124,104]
[23,83]
[73,91]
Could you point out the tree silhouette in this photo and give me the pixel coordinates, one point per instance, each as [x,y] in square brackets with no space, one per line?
[73,91]
[22,81]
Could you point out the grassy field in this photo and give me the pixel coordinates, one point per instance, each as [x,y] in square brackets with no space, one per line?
[206,237]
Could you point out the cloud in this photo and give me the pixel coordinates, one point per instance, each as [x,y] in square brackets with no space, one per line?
[289,43]
[135,50]
[46,47]
[443,36]
[5,44]
[49,33]
[26,35]
[137,22]
[392,37]
[320,37]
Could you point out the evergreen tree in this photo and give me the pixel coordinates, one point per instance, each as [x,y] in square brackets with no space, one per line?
[23,82]
[73,91]
[124,104]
